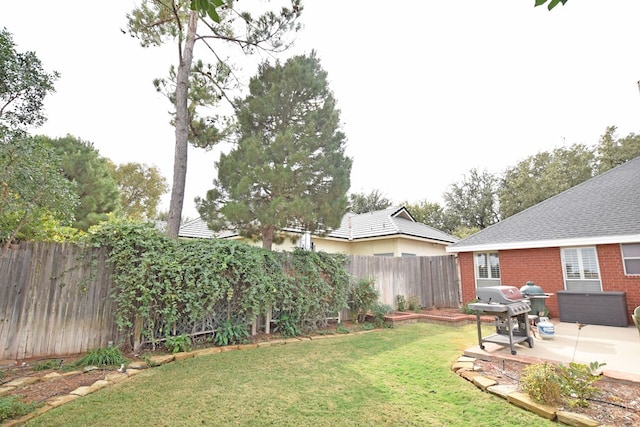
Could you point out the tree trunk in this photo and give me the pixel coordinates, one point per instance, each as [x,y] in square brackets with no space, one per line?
[182,130]
[267,237]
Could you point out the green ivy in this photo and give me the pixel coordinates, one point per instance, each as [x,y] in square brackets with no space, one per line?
[168,283]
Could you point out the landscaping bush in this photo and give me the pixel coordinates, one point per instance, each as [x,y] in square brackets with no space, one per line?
[12,407]
[401,303]
[379,310]
[231,333]
[177,344]
[576,381]
[110,356]
[413,303]
[363,298]
[542,383]
[572,384]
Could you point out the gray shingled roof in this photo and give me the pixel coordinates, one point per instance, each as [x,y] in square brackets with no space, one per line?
[604,209]
[196,229]
[387,222]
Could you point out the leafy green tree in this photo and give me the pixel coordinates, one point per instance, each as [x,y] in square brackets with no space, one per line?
[141,188]
[23,86]
[32,190]
[288,167]
[98,189]
[429,213]
[472,202]
[552,3]
[542,176]
[362,203]
[612,151]
[207,7]
[193,87]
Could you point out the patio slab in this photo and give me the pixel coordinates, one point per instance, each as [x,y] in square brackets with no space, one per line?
[615,346]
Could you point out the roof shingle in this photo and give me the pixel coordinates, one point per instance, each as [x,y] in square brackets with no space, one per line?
[605,208]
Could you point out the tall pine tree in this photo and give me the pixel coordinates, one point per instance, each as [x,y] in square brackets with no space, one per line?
[288,168]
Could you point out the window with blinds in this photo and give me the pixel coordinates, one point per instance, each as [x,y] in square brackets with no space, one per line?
[631,258]
[581,271]
[487,265]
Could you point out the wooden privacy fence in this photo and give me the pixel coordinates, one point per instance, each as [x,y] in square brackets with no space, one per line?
[53,303]
[48,305]
[434,280]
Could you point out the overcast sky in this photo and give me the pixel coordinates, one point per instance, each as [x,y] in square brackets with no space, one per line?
[427,90]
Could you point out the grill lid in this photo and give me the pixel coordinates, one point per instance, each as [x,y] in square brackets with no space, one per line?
[499,294]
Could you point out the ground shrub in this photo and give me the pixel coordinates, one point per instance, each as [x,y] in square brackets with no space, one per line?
[12,407]
[542,383]
[363,298]
[178,343]
[413,303]
[401,303]
[230,332]
[110,356]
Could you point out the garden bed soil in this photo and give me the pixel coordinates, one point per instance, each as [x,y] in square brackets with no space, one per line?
[617,402]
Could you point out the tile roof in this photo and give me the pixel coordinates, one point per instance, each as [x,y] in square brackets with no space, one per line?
[386,222]
[603,209]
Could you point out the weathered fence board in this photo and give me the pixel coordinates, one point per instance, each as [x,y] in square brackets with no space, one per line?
[434,280]
[53,304]
[50,305]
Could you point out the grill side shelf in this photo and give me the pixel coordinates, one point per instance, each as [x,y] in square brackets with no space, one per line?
[489,308]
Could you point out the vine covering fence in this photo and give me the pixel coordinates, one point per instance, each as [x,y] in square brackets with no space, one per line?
[53,303]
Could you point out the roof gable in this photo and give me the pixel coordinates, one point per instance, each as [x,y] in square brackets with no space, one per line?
[386,222]
[382,223]
[603,209]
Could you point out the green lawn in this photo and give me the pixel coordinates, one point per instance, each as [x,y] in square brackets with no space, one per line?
[396,377]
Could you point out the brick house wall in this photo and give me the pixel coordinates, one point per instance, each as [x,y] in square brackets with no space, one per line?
[543,266]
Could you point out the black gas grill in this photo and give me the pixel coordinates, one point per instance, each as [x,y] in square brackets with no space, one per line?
[511,315]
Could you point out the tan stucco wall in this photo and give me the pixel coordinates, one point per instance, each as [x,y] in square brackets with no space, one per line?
[394,245]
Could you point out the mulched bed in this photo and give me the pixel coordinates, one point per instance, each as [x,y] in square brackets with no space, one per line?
[617,404]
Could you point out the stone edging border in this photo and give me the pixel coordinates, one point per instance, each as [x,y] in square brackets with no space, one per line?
[133,369]
[466,368]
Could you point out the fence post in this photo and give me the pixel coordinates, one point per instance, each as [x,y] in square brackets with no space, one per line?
[137,333]
[267,321]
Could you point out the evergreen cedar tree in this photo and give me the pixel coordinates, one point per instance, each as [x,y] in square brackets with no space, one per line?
[288,167]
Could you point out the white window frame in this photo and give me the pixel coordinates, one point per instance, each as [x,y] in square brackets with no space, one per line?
[492,278]
[628,257]
[577,283]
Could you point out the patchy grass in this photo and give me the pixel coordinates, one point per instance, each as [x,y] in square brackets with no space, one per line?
[395,377]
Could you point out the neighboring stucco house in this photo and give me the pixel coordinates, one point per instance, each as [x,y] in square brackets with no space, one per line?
[388,232]
[582,245]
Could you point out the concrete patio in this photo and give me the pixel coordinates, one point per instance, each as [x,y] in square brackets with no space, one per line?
[618,347]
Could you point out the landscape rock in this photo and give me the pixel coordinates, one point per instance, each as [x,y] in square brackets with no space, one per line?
[182,356]
[462,365]
[19,382]
[162,359]
[61,400]
[576,420]
[483,382]
[502,390]
[524,401]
